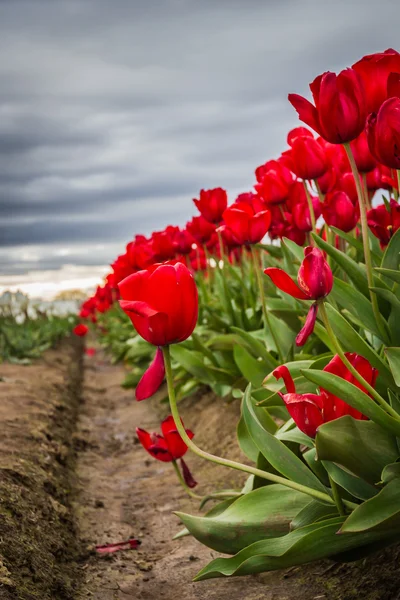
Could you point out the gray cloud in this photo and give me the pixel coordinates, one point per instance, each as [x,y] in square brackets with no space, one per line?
[114,114]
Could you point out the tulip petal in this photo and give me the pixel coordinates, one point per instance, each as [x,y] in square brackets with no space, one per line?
[150,323]
[305,410]
[152,378]
[259,225]
[188,477]
[306,111]
[285,283]
[309,325]
[283,372]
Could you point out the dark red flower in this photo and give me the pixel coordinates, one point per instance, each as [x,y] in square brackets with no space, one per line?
[315,282]
[383,222]
[339,211]
[375,70]
[161,302]
[162,244]
[212,204]
[309,411]
[340,108]
[364,160]
[383,133]
[183,242]
[167,447]
[81,330]
[247,226]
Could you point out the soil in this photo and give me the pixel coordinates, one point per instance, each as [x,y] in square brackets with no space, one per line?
[67,487]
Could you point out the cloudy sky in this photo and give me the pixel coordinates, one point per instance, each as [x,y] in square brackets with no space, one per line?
[114,113]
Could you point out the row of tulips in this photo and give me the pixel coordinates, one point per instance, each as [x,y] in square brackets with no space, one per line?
[315,364]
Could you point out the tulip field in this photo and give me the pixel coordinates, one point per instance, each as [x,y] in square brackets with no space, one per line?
[283,306]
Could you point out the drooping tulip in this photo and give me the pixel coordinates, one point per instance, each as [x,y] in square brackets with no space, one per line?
[309,411]
[315,282]
[167,447]
[340,107]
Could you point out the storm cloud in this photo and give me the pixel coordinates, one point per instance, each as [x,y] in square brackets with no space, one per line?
[113,114]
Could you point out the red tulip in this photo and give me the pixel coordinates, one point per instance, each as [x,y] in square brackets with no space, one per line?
[315,282]
[340,108]
[364,160]
[162,243]
[274,182]
[309,411]
[200,229]
[375,70]
[212,204]
[384,223]
[247,226]
[161,302]
[306,158]
[339,211]
[81,330]
[383,133]
[167,447]
[183,242]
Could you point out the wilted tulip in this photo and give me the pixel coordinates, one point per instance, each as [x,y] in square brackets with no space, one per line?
[340,108]
[315,281]
[167,447]
[309,411]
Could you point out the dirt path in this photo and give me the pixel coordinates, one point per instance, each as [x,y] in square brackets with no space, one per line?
[125,493]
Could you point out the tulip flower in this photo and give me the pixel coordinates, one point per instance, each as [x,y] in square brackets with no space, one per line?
[81,330]
[339,211]
[200,229]
[383,133]
[168,447]
[309,411]
[306,158]
[246,225]
[363,158]
[183,242]
[383,222]
[375,70]
[274,182]
[162,303]
[315,282]
[212,204]
[340,108]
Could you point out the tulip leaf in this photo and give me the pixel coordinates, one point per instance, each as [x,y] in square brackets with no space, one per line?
[394,275]
[393,356]
[353,342]
[354,485]
[256,347]
[356,243]
[382,511]
[361,447]
[251,369]
[353,396]
[314,511]
[263,513]
[246,443]
[349,266]
[391,471]
[296,250]
[276,452]
[300,546]
[356,303]
[295,435]
[391,258]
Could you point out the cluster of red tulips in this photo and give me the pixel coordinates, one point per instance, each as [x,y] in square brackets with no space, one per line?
[320,193]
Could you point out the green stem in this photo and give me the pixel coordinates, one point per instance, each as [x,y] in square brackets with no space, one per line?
[353,371]
[365,189]
[337,497]
[183,482]
[267,322]
[223,461]
[310,208]
[321,196]
[221,249]
[365,238]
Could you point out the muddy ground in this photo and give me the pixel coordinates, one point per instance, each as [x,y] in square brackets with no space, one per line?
[64,490]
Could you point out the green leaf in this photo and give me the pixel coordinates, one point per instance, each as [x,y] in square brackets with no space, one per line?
[356,243]
[256,347]
[275,451]
[391,258]
[361,447]
[390,472]
[296,250]
[353,396]
[389,273]
[313,512]
[263,513]
[354,485]
[381,511]
[393,356]
[356,303]
[349,266]
[252,369]
[300,546]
